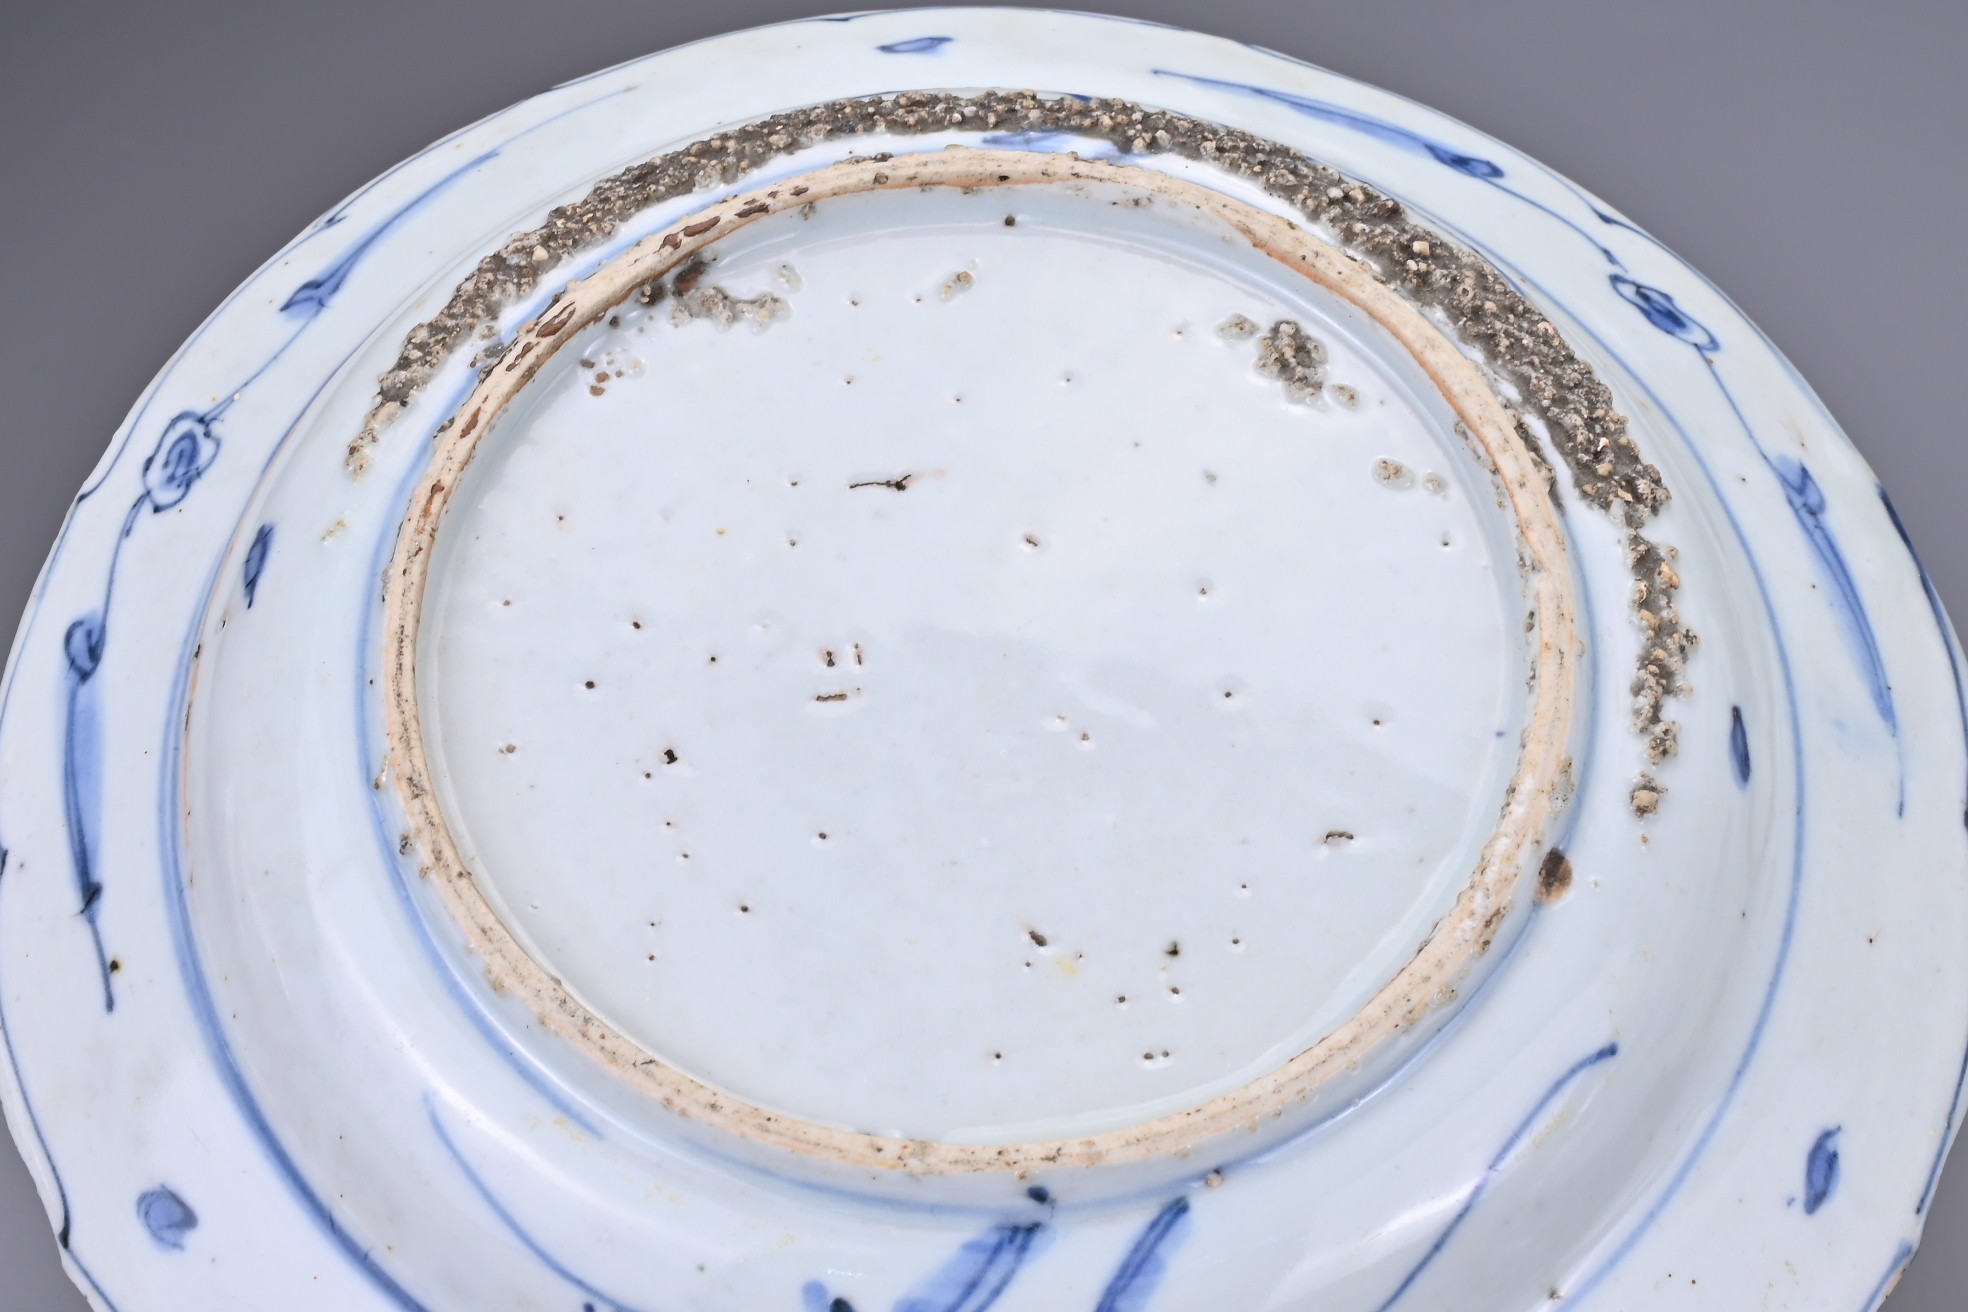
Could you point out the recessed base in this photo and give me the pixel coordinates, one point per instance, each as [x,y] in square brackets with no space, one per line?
[932,668]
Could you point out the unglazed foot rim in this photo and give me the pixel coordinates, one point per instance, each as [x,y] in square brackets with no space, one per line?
[1426,987]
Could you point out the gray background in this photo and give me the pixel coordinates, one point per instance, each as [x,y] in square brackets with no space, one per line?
[1804,154]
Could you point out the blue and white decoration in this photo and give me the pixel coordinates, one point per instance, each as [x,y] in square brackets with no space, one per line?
[254,1061]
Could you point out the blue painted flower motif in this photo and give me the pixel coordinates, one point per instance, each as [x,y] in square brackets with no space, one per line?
[1664,314]
[921,45]
[83,645]
[1821,1171]
[185,451]
[168,1217]
[256,558]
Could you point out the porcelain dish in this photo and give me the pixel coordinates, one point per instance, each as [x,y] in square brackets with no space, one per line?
[975,659]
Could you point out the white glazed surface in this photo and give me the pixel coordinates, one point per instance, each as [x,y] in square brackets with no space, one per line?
[1719,1073]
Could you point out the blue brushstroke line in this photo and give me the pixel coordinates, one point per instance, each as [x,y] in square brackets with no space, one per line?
[313,296]
[979,1274]
[27,1104]
[199,995]
[922,45]
[130,429]
[370,760]
[1379,129]
[1901,1257]
[1665,313]
[256,559]
[1821,1171]
[1142,1269]
[1801,491]
[1474,166]
[511,1222]
[82,788]
[185,451]
[1794,900]
[1940,621]
[64,1219]
[83,645]
[1493,1170]
[1961,706]
[1796,883]
[1054,143]
[328,221]
[191,968]
[1739,746]
[1807,503]
[168,1217]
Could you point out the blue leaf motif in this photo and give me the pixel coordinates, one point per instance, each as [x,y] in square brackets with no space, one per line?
[1142,1269]
[82,782]
[921,45]
[312,297]
[184,452]
[1739,746]
[1821,1171]
[814,1298]
[1807,502]
[978,1275]
[1664,314]
[168,1217]
[1379,129]
[256,559]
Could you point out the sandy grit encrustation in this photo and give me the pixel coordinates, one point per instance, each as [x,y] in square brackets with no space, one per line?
[1505,875]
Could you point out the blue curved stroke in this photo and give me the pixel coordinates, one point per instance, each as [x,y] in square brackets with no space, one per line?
[1946,631]
[1795,891]
[1801,492]
[1406,139]
[979,1274]
[255,563]
[1794,718]
[1738,747]
[922,45]
[602,1302]
[168,1217]
[185,451]
[1901,1256]
[1493,1171]
[1141,1271]
[1660,309]
[198,992]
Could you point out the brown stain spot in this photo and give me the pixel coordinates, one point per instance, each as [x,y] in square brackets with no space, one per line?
[699,229]
[1554,877]
[430,500]
[560,320]
[756,207]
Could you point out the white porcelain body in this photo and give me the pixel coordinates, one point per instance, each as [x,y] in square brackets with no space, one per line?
[1067,758]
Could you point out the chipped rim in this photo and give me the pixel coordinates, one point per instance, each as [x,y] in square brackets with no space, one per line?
[1428,982]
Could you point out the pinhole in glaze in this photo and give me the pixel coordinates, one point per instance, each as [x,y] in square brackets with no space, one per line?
[1192,689]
